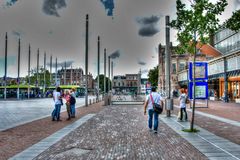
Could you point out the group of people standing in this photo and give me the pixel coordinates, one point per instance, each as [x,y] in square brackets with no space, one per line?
[69,98]
[154,97]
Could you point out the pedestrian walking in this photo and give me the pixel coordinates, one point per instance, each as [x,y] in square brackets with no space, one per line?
[183,98]
[72,102]
[57,102]
[153,97]
[67,97]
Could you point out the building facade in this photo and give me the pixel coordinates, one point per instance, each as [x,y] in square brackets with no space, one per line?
[70,76]
[179,63]
[224,70]
[90,81]
[130,83]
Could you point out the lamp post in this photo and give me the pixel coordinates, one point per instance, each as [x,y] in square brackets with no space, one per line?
[18,78]
[56,64]
[37,67]
[86,62]
[29,60]
[44,74]
[5,74]
[169,100]
[105,57]
[98,67]
[50,70]
[109,64]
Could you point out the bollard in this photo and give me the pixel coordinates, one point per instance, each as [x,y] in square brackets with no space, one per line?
[89,101]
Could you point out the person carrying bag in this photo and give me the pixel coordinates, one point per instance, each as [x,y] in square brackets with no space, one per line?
[153,113]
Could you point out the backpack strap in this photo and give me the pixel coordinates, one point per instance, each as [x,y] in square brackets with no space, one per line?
[151,98]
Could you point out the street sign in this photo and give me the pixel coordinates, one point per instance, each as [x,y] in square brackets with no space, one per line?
[201,71]
[201,90]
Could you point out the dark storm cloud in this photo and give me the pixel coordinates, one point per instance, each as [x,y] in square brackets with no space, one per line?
[144,71]
[17,33]
[148,31]
[142,63]
[148,20]
[61,64]
[109,6]
[148,26]
[10,3]
[51,7]
[115,54]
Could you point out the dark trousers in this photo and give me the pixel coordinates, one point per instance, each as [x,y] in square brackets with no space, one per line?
[181,115]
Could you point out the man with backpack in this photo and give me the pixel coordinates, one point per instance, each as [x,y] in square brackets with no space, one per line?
[152,100]
[72,102]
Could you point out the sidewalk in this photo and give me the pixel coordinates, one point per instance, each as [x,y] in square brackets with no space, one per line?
[17,139]
[211,119]
[121,132]
[218,108]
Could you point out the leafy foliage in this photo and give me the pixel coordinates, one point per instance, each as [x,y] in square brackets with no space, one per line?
[200,21]
[33,77]
[153,76]
[233,23]
[101,82]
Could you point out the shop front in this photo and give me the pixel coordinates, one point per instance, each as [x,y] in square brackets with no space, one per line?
[233,88]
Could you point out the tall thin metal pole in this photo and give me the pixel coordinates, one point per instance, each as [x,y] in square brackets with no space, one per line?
[29,60]
[5,74]
[112,73]
[71,76]
[65,68]
[98,68]
[44,74]
[37,67]
[105,59]
[167,67]
[56,72]
[51,70]
[18,78]
[86,62]
[109,64]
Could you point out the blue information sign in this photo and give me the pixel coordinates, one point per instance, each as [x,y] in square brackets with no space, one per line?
[201,71]
[201,90]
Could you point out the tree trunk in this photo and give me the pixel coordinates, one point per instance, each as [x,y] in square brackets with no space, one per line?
[194,59]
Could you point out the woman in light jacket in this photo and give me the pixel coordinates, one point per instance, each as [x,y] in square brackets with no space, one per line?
[183,98]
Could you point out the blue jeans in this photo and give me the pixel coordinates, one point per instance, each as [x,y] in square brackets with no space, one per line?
[72,110]
[151,113]
[56,112]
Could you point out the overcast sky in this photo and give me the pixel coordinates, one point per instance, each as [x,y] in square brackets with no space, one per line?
[131,29]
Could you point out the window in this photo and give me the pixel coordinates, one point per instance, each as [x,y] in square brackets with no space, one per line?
[174,68]
[181,66]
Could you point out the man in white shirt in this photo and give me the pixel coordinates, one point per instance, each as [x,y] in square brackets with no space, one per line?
[149,105]
[58,103]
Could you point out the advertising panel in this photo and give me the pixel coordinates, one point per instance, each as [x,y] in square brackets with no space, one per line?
[201,90]
[201,71]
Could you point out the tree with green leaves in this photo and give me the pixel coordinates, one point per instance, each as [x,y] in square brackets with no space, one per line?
[153,76]
[194,25]
[233,23]
[33,77]
[101,83]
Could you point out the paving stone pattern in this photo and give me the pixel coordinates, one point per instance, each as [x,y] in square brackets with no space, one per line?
[36,149]
[15,113]
[212,146]
[121,132]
